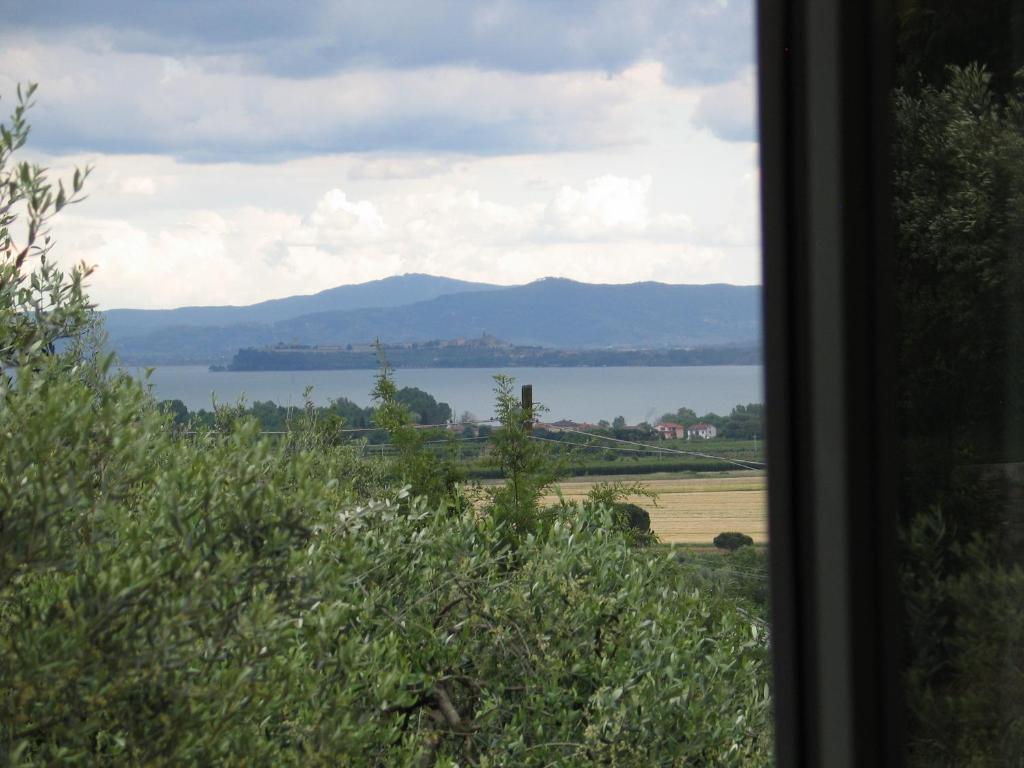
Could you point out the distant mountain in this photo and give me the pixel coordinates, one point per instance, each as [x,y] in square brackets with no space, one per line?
[552,312]
[389,292]
[556,313]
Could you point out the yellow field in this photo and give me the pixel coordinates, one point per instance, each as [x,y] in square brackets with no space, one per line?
[698,509]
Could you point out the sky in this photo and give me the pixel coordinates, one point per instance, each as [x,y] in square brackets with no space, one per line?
[245,150]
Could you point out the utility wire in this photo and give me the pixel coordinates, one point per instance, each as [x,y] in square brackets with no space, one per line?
[644,447]
[368,429]
[414,426]
[596,447]
[738,462]
[373,446]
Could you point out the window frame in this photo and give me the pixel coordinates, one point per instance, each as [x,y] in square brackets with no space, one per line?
[824,83]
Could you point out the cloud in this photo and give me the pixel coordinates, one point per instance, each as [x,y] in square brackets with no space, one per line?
[261,81]
[609,206]
[397,168]
[729,110]
[707,42]
[138,185]
[195,111]
[604,229]
[699,40]
[338,218]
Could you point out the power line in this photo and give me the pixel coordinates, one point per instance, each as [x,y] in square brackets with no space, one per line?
[365,429]
[743,463]
[644,447]
[596,447]
[372,446]
[414,426]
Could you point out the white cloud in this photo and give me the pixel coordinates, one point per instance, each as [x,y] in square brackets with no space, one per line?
[609,206]
[729,110]
[337,219]
[485,175]
[601,229]
[138,185]
[397,168]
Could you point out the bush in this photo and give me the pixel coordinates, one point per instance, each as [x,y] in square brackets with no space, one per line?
[732,540]
[749,566]
[635,517]
[627,517]
[438,479]
[528,467]
[227,600]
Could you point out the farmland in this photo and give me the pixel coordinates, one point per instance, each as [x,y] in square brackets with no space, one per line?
[695,509]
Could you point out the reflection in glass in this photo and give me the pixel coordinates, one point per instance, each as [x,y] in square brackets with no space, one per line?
[958,213]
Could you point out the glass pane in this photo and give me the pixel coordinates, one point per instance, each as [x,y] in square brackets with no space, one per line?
[303,513]
[958,214]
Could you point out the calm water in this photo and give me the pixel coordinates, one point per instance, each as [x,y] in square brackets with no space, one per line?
[580,394]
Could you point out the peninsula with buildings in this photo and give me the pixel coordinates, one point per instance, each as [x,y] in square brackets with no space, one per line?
[481,352]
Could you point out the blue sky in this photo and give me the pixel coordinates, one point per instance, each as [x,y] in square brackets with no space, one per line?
[248,149]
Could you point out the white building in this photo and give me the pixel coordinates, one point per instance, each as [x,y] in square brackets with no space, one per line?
[701,431]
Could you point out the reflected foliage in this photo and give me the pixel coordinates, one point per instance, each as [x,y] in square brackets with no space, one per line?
[958,159]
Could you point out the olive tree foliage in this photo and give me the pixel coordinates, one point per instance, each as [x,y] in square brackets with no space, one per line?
[232,602]
[222,598]
[39,306]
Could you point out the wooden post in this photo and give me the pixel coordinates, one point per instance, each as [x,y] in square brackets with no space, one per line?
[527,405]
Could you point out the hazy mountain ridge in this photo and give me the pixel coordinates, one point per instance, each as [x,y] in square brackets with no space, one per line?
[552,312]
[388,292]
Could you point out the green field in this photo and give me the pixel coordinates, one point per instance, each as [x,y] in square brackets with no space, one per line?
[603,457]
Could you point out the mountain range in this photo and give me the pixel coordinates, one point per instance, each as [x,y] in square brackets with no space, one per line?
[551,312]
[389,292]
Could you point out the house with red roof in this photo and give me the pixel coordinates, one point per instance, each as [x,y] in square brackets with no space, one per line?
[668,430]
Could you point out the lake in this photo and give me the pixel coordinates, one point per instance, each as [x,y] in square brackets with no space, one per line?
[581,394]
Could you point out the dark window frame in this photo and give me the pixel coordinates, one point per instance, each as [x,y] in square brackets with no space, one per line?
[824,80]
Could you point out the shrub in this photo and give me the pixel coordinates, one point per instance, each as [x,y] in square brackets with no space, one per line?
[629,518]
[528,467]
[749,567]
[225,600]
[439,479]
[732,540]
[634,517]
